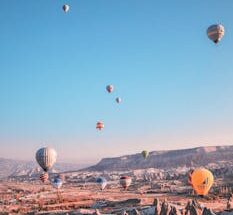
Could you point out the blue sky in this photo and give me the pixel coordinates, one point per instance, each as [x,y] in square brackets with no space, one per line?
[176,85]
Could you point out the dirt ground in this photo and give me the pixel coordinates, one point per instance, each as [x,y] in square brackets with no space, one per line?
[19,197]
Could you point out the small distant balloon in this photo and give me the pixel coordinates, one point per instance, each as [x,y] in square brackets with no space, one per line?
[118,100]
[57,183]
[145,154]
[102,182]
[65,8]
[110,88]
[99,125]
[125,181]
[44,177]
[46,158]
[215,32]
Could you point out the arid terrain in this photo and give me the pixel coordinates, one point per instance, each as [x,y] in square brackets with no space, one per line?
[162,190]
[35,197]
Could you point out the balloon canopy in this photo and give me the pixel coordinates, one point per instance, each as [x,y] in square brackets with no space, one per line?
[109,88]
[215,32]
[46,158]
[202,180]
[99,125]
[66,8]
[57,183]
[44,177]
[145,154]
[125,181]
[102,182]
[118,100]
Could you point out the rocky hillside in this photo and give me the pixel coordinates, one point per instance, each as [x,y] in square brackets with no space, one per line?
[9,167]
[195,157]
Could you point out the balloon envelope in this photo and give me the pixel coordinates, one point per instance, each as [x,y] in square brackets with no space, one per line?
[102,182]
[99,125]
[125,181]
[118,100]
[44,177]
[145,154]
[66,8]
[57,183]
[215,32]
[202,180]
[46,157]
[109,88]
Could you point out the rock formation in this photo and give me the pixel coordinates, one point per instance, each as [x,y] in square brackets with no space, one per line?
[157,206]
[165,208]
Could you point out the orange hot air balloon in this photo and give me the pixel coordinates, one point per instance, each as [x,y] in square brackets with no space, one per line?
[202,180]
[99,125]
[44,177]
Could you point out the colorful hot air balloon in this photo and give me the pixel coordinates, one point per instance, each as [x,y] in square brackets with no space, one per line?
[145,154]
[125,181]
[57,183]
[102,182]
[110,88]
[44,177]
[202,180]
[66,8]
[99,125]
[215,32]
[46,157]
[118,100]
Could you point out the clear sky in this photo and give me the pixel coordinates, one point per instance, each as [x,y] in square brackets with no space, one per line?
[176,85]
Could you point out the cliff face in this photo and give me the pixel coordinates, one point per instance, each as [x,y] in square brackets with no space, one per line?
[194,157]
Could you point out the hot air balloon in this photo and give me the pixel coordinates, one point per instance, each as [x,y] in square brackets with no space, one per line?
[102,182]
[110,88]
[145,154]
[125,181]
[202,180]
[44,177]
[66,8]
[57,183]
[46,157]
[99,125]
[215,32]
[118,100]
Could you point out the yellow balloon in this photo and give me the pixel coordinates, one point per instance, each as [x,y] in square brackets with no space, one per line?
[202,180]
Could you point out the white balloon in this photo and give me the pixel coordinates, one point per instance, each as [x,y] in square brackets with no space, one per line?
[66,8]
[118,100]
[46,158]
[57,183]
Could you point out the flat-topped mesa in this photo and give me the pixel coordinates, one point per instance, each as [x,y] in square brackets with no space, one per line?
[195,157]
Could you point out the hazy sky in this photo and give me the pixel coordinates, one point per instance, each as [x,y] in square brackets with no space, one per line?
[176,85]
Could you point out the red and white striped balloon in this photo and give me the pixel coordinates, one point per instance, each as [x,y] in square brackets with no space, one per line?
[99,125]
[44,177]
